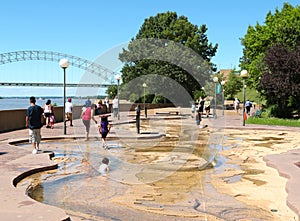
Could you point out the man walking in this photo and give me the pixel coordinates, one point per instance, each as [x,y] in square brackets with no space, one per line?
[69,111]
[34,117]
[115,105]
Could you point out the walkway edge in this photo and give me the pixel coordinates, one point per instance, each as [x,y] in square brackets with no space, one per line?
[16,205]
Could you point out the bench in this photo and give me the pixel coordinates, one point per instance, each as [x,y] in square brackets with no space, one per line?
[168,113]
[257,113]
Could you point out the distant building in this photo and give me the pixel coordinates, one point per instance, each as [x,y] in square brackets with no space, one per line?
[225,72]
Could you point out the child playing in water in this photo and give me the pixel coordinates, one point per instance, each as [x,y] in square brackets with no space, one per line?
[104,129]
[104,167]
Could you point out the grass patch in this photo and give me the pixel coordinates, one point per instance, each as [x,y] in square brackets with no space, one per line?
[273,121]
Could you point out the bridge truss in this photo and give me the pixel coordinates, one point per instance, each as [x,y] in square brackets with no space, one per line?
[89,66]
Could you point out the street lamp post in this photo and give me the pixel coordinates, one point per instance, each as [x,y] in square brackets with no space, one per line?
[145,109]
[244,75]
[118,77]
[216,80]
[258,106]
[64,64]
[223,98]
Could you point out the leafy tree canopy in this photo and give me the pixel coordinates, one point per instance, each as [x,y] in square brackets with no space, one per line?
[112,91]
[168,47]
[281,27]
[233,85]
[281,81]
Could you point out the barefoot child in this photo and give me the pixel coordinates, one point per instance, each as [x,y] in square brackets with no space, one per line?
[104,167]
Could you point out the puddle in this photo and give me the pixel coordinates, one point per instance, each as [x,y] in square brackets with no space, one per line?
[233,179]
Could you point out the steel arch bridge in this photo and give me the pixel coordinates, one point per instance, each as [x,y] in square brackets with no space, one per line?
[89,66]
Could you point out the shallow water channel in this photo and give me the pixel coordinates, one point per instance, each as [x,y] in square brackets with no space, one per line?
[151,179]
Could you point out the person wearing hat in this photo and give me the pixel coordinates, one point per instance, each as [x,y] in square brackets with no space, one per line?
[69,109]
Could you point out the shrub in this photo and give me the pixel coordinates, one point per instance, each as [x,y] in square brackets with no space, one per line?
[158,99]
[134,97]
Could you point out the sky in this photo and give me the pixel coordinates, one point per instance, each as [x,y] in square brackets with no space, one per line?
[97,29]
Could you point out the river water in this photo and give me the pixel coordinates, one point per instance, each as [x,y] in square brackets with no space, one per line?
[23,103]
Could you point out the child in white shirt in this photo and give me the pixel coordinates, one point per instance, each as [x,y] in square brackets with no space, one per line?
[104,167]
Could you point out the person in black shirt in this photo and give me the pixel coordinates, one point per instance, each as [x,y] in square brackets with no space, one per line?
[34,116]
[138,118]
[200,112]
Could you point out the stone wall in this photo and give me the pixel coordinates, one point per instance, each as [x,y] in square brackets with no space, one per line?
[15,119]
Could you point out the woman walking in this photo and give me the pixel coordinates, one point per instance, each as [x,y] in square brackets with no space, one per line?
[48,111]
[86,116]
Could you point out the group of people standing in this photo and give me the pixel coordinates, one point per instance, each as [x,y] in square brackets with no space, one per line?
[198,109]
[37,115]
[34,121]
[104,107]
[48,112]
[248,105]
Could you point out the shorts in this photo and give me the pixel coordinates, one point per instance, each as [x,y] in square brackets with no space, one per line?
[69,116]
[47,114]
[87,125]
[35,135]
[104,134]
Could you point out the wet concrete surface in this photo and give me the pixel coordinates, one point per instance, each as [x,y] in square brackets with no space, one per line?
[148,177]
[133,191]
[154,180]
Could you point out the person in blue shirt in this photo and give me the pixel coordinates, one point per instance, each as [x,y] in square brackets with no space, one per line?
[248,106]
[34,119]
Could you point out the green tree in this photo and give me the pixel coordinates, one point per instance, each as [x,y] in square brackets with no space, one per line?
[199,93]
[233,85]
[158,99]
[134,98]
[155,50]
[112,91]
[281,27]
[281,82]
